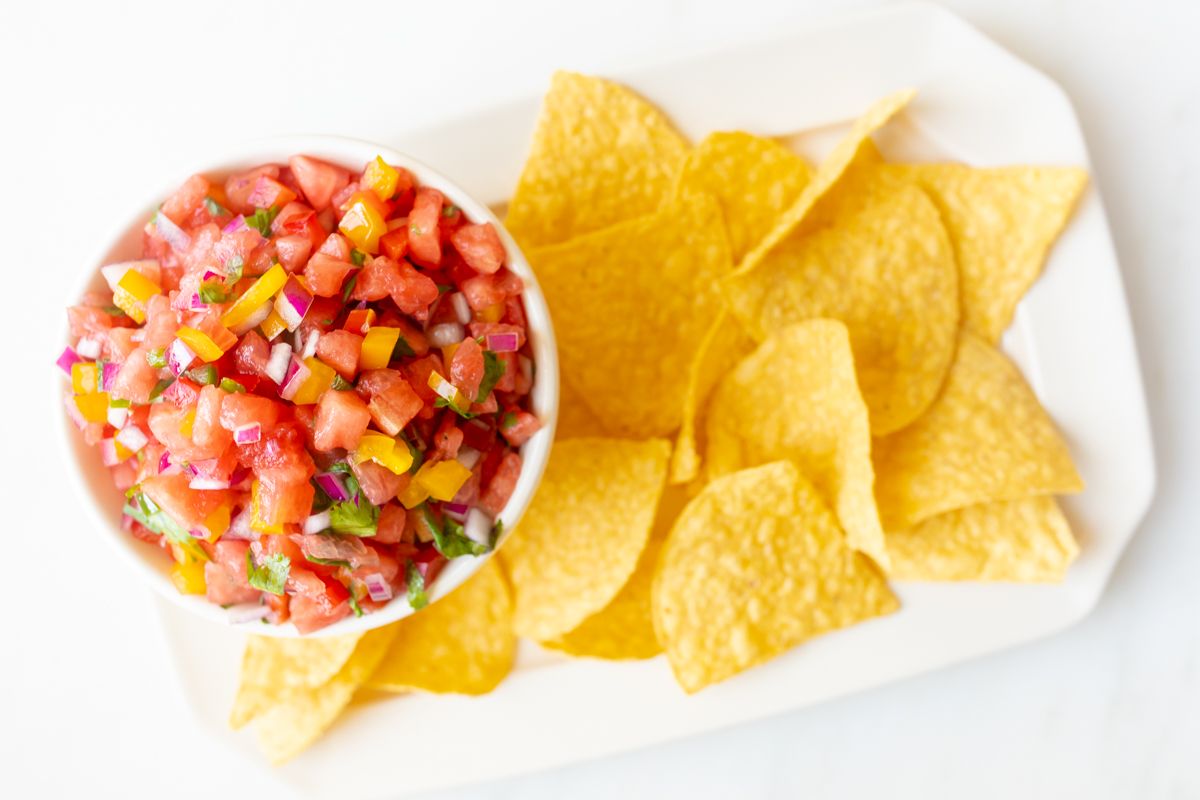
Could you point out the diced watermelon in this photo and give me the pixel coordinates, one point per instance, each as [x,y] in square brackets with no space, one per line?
[517,426]
[423,240]
[245,409]
[340,350]
[466,367]
[378,483]
[393,406]
[282,452]
[225,576]
[187,198]
[293,251]
[393,526]
[207,433]
[342,418]
[325,275]
[500,487]
[480,247]
[252,354]
[483,291]
[189,507]
[240,186]
[319,180]
[136,378]
[283,502]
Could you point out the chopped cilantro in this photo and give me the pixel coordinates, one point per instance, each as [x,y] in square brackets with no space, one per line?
[349,288]
[493,370]
[418,457]
[112,311]
[508,420]
[448,537]
[356,516]
[444,287]
[160,387]
[402,349]
[232,386]
[340,467]
[205,375]
[329,562]
[117,402]
[271,574]
[354,606]
[449,210]
[156,358]
[214,208]
[416,587]
[145,511]
[262,218]
[358,257]
[213,292]
[233,270]
[497,531]
[340,383]
[442,402]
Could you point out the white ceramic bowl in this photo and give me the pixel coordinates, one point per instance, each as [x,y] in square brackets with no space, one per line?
[91,477]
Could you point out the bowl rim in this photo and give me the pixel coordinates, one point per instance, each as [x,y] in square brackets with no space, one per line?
[144,557]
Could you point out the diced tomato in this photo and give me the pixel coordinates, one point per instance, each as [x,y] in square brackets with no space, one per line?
[466,367]
[378,483]
[252,354]
[393,526]
[325,275]
[225,576]
[483,291]
[340,350]
[136,378]
[293,251]
[423,239]
[517,426]
[342,418]
[187,198]
[245,409]
[240,186]
[319,180]
[480,247]
[500,487]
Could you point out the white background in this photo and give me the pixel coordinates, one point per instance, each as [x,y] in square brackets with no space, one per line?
[99,104]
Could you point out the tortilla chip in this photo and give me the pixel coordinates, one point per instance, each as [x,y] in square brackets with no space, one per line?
[1002,223]
[600,155]
[754,179]
[986,439]
[631,306]
[287,728]
[575,419]
[755,565]
[1022,541]
[624,629]
[583,534]
[886,269]
[273,669]
[462,644]
[796,398]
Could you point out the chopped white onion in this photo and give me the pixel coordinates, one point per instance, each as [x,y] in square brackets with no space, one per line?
[88,348]
[117,417]
[310,345]
[277,365]
[317,522]
[247,612]
[254,320]
[240,528]
[458,301]
[468,456]
[478,527]
[132,438]
[207,484]
[446,334]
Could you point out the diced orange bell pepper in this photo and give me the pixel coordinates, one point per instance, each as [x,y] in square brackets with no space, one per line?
[93,406]
[259,292]
[363,223]
[381,178]
[377,347]
[217,523]
[359,321]
[413,495]
[493,313]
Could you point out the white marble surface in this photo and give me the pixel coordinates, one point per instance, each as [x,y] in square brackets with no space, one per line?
[1110,708]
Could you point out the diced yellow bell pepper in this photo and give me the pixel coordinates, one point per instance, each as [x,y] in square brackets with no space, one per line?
[133,290]
[85,377]
[259,292]
[448,352]
[217,523]
[121,451]
[493,313]
[443,479]
[381,178]
[188,576]
[189,421]
[319,380]
[413,495]
[200,343]
[273,325]
[447,391]
[377,347]
[384,451]
[256,522]
[363,224]
[93,406]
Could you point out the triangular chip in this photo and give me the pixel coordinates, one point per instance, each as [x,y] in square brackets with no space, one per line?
[575,419]
[796,398]
[462,644]
[1023,541]
[1002,223]
[274,668]
[755,565]
[600,155]
[987,438]
[582,536]
[886,269]
[754,179]
[631,306]
[287,728]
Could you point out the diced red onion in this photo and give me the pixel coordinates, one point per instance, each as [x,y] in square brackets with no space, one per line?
[239,527]
[196,303]
[117,417]
[127,522]
[211,274]
[191,470]
[108,453]
[456,511]
[280,361]
[198,533]
[73,412]
[502,342]
[208,484]
[468,456]
[88,348]
[67,359]
[179,357]
[164,462]
[132,438]
[292,303]
[249,433]
[108,374]
[318,522]
[254,320]
[446,334]
[247,612]
[377,587]
[239,475]
[173,393]
[172,233]
[331,484]
[297,374]
[478,527]
[234,225]
[310,344]
[462,311]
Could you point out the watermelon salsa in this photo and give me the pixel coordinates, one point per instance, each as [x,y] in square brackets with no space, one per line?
[312,387]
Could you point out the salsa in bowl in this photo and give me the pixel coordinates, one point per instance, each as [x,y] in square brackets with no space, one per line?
[311,390]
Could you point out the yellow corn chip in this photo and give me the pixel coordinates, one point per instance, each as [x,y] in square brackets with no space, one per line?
[755,565]
[631,306]
[582,536]
[753,179]
[624,629]
[887,270]
[462,644]
[287,728]
[796,398]
[575,419]
[273,669]
[1002,223]
[987,438]
[600,155]
[1024,541]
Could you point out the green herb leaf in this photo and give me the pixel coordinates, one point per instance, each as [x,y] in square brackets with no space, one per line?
[493,371]
[233,270]
[262,218]
[232,386]
[112,311]
[508,420]
[354,606]
[271,574]
[205,375]
[340,383]
[329,562]
[213,292]
[448,537]
[160,387]
[156,358]
[117,402]
[358,257]
[349,288]
[497,532]
[444,287]
[340,467]
[449,210]
[357,517]
[417,598]
[214,208]
[145,511]
[442,402]
[402,349]
[418,457]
